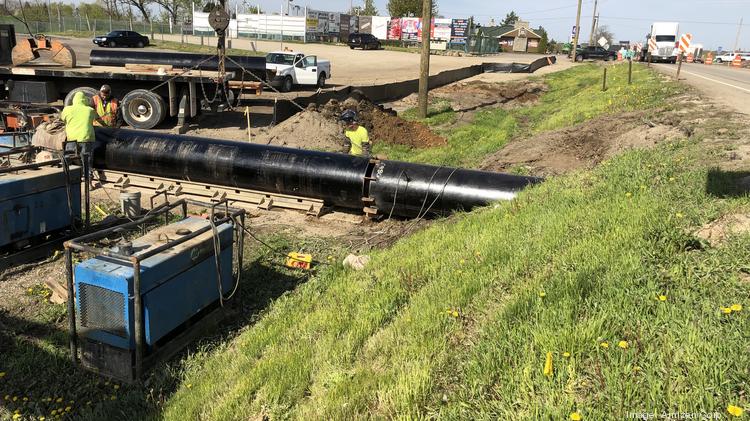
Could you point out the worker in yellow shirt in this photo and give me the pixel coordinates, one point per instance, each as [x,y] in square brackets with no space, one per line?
[356,135]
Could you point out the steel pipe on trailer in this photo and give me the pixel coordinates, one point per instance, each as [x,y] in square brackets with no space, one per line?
[388,187]
[119,58]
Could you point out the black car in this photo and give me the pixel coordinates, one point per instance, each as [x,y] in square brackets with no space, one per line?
[595,53]
[363,41]
[122,39]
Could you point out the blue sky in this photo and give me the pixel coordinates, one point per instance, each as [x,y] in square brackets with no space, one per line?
[712,23]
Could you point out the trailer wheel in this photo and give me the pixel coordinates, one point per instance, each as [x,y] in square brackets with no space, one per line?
[88,92]
[143,109]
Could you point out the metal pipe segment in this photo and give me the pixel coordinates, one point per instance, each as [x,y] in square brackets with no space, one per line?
[99,57]
[392,187]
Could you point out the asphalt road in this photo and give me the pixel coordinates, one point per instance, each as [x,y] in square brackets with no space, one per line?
[725,85]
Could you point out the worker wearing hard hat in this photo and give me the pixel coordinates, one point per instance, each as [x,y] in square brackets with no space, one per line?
[107,108]
[357,136]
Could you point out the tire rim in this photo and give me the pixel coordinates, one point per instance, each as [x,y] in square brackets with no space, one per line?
[140,110]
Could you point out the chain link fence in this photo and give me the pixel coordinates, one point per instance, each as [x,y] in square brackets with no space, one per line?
[81,26]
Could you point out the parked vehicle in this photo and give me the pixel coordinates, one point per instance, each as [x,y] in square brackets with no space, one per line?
[290,68]
[122,39]
[697,50]
[666,34]
[363,41]
[595,53]
[729,57]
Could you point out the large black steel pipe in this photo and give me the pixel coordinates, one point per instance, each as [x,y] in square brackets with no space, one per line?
[392,187]
[99,57]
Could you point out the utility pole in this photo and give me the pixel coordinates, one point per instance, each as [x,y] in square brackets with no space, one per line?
[574,48]
[594,18]
[424,64]
[737,40]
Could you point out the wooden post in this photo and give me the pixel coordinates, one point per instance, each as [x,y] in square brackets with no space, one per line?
[630,71]
[679,66]
[424,64]
[649,59]
[604,80]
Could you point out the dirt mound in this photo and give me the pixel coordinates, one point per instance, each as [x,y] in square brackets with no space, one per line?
[580,146]
[305,130]
[474,94]
[718,231]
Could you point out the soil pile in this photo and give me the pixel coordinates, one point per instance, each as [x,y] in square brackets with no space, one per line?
[318,127]
[582,146]
[305,130]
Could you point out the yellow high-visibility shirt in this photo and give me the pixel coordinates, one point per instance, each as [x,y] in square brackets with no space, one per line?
[358,138]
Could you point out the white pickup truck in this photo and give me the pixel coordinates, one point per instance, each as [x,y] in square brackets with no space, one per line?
[292,68]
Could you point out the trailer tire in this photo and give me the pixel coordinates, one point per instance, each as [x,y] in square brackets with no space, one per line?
[89,92]
[142,109]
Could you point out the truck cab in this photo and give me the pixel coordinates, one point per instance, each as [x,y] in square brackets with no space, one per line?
[667,37]
[290,68]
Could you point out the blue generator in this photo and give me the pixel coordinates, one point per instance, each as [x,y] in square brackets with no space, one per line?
[37,200]
[179,285]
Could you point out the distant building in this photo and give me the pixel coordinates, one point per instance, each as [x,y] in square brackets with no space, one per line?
[518,38]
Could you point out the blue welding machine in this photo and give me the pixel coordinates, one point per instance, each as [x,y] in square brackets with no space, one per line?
[36,201]
[178,285]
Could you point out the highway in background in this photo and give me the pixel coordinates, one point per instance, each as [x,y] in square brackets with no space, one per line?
[726,85]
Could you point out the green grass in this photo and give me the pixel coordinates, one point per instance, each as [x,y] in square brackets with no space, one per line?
[451,322]
[574,96]
[207,49]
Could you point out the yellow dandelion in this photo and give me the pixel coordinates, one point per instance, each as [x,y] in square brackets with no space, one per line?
[623,344]
[548,365]
[15,398]
[58,400]
[54,412]
[462,261]
[604,345]
[726,310]
[736,307]
[189,385]
[454,313]
[25,399]
[117,386]
[16,416]
[575,416]
[68,408]
[113,398]
[662,298]
[2,374]
[42,418]
[29,290]
[7,397]
[671,178]
[636,369]
[628,194]
[566,354]
[678,215]
[542,294]
[735,411]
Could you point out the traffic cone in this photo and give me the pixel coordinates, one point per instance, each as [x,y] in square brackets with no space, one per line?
[690,58]
[709,59]
[619,56]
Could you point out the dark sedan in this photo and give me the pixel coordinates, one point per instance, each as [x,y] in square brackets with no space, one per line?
[122,39]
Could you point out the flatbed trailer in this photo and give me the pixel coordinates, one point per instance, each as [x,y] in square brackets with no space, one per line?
[146,97]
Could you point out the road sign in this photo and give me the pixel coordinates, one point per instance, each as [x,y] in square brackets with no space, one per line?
[685,41]
[652,47]
[602,41]
[719,50]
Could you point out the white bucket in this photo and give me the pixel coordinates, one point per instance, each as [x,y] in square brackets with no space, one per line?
[130,203]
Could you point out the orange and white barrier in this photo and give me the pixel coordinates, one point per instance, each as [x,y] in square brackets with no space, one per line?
[709,59]
[737,62]
[690,58]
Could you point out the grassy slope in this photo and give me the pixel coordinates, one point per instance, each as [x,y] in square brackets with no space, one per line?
[574,96]
[387,342]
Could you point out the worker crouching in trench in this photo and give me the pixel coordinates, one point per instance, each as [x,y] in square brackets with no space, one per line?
[357,138]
